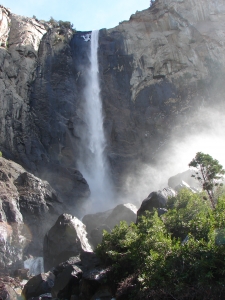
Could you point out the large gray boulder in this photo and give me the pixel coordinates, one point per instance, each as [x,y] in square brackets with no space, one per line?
[67,238]
[154,200]
[96,223]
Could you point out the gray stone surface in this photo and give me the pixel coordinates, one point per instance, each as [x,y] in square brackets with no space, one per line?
[28,207]
[65,239]
[154,200]
[96,223]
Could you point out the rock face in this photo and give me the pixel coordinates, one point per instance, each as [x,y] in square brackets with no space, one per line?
[65,239]
[156,67]
[28,207]
[23,133]
[155,70]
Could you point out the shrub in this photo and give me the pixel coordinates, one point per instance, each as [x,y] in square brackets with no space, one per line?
[174,256]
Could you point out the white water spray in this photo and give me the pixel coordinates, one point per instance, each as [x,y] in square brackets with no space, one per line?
[93,163]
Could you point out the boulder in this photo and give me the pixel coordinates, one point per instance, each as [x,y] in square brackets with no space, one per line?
[176,180]
[66,238]
[95,235]
[68,276]
[38,285]
[154,200]
[96,223]
[184,185]
[122,212]
[92,221]
[94,285]
[7,292]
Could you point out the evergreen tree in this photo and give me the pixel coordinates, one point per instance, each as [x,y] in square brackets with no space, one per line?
[208,173]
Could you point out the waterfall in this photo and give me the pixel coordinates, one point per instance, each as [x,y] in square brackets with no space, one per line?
[93,162]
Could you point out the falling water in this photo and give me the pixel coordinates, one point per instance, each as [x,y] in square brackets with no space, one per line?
[93,163]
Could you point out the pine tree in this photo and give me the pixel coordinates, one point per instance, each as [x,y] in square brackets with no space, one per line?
[208,173]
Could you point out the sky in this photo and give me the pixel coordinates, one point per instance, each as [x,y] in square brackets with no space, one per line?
[83,14]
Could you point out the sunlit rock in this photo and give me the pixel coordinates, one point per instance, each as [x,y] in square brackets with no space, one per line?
[68,237]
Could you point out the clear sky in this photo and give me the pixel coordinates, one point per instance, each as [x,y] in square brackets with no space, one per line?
[84,14]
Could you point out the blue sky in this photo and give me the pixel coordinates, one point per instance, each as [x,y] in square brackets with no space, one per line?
[84,14]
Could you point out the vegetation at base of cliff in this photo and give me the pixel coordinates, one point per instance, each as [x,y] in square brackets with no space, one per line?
[0,153]
[179,255]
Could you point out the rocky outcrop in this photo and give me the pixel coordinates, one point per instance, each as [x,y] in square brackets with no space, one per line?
[77,278]
[28,207]
[65,239]
[4,25]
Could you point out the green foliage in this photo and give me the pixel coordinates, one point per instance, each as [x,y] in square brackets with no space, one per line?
[0,154]
[182,210]
[208,173]
[61,24]
[176,256]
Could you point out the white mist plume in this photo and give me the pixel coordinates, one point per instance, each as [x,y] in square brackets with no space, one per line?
[206,133]
[93,163]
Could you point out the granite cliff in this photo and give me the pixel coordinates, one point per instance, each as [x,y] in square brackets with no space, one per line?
[156,70]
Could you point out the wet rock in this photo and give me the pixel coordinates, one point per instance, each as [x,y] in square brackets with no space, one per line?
[38,285]
[27,206]
[65,239]
[68,276]
[7,292]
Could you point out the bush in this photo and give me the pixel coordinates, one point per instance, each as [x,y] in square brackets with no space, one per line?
[174,256]
[0,154]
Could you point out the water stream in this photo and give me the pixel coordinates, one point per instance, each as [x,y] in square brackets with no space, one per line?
[93,163]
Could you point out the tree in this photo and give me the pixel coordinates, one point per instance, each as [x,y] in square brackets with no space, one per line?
[208,173]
